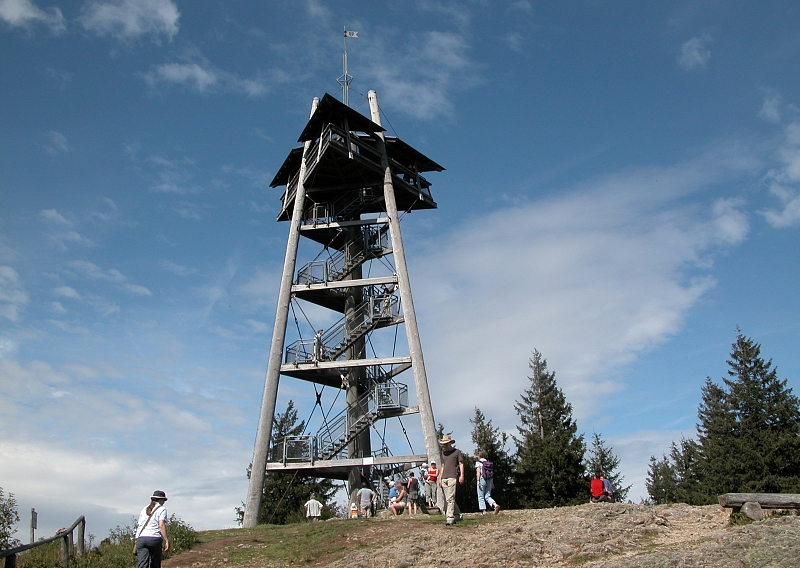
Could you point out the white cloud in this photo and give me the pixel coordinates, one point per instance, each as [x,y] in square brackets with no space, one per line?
[56,143]
[420,79]
[784,181]
[25,14]
[94,272]
[55,217]
[174,176]
[67,292]
[694,53]
[177,269]
[592,278]
[258,178]
[12,294]
[203,78]
[126,20]
[771,108]
[189,210]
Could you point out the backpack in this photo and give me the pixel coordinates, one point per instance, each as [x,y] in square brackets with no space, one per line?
[487,469]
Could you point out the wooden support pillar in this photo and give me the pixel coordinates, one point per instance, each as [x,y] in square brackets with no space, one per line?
[264,434]
[414,344]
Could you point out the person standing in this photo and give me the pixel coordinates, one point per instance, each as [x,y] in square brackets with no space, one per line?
[316,355]
[366,498]
[151,532]
[413,494]
[484,472]
[452,476]
[313,509]
[431,482]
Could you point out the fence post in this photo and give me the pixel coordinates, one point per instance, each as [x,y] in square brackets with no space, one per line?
[81,535]
[65,551]
[11,561]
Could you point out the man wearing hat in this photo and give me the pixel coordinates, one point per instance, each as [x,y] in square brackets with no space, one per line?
[452,475]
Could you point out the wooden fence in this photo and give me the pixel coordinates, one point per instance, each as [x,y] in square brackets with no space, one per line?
[68,544]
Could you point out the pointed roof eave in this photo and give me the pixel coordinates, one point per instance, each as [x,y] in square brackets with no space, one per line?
[329,110]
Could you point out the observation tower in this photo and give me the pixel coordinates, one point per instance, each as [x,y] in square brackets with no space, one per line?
[346,189]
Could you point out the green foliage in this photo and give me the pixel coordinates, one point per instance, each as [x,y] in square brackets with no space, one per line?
[748,437]
[550,470]
[284,494]
[492,441]
[737,519]
[115,551]
[603,461]
[8,518]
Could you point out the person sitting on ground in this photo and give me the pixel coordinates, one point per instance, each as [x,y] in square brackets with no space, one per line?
[598,493]
[397,507]
[365,497]
[413,494]
[607,488]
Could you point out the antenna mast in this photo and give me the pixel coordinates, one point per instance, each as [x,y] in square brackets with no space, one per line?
[346,78]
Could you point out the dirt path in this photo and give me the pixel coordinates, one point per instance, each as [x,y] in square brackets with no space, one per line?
[601,535]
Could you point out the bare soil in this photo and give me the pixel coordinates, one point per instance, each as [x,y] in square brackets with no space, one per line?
[591,535]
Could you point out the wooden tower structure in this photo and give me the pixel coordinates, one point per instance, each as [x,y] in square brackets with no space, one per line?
[344,188]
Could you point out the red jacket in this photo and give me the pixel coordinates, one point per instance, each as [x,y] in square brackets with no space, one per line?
[597,487]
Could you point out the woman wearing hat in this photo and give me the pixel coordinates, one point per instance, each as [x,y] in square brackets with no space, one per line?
[151,532]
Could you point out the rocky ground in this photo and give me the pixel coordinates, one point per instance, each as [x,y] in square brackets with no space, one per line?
[591,535]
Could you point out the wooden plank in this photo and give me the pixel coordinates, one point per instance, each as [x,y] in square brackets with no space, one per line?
[336,225]
[345,284]
[346,363]
[766,500]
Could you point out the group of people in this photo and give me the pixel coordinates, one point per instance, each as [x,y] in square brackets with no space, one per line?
[601,489]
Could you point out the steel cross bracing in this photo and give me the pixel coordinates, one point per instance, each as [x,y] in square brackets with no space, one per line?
[343,190]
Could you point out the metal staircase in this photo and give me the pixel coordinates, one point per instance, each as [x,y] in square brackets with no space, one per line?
[372,243]
[374,312]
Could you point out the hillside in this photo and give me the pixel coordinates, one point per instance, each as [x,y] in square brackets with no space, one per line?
[619,535]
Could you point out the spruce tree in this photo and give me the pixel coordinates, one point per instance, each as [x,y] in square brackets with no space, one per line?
[603,461]
[661,483]
[749,432]
[492,441]
[284,494]
[550,470]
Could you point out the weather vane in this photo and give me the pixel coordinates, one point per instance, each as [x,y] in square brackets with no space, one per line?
[346,78]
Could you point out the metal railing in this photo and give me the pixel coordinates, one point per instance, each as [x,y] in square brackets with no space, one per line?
[375,310]
[333,437]
[372,243]
[68,544]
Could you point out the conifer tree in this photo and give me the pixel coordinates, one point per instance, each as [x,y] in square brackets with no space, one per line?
[550,470]
[603,461]
[748,436]
[285,493]
[749,432]
[492,441]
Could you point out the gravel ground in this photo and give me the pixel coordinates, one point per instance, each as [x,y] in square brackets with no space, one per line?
[592,535]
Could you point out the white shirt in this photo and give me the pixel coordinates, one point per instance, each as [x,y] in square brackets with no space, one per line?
[151,528]
[313,508]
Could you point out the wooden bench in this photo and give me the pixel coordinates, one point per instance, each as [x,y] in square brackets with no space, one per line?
[736,501]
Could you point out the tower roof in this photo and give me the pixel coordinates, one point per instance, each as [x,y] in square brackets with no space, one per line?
[331,110]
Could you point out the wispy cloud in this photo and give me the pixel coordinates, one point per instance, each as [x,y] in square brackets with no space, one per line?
[93,272]
[204,78]
[127,20]
[13,296]
[67,292]
[189,210]
[174,176]
[25,14]
[56,143]
[258,178]
[784,181]
[694,53]
[593,278]
[177,269]
[419,74]
[55,217]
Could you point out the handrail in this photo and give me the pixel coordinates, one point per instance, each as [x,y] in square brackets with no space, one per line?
[66,544]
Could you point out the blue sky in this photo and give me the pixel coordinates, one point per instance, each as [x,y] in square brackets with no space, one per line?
[622,190]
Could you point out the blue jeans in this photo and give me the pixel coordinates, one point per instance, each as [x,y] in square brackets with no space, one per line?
[148,552]
[485,494]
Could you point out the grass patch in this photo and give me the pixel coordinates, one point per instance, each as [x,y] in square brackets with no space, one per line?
[738,519]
